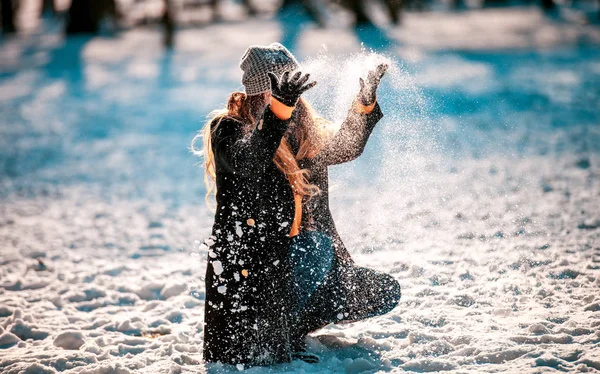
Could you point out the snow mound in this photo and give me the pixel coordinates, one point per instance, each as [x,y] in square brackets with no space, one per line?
[69,340]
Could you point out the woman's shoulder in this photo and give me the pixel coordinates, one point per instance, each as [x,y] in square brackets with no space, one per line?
[226,126]
[226,119]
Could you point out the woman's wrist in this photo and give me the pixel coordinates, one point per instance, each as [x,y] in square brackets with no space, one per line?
[362,108]
[281,111]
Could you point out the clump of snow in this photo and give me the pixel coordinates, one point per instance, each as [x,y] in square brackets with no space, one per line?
[36,369]
[8,339]
[5,311]
[150,291]
[27,330]
[217,267]
[69,340]
[171,290]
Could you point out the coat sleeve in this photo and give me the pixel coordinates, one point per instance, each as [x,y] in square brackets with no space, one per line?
[247,154]
[350,140]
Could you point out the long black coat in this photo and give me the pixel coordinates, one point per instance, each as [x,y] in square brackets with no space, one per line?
[247,316]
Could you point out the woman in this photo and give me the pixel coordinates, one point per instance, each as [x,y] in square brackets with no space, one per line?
[277,269]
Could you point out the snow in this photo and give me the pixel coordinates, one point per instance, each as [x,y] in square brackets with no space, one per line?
[8,339]
[69,340]
[217,267]
[478,192]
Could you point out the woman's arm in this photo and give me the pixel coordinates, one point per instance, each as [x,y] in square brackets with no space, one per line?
[350,140]
[248,154]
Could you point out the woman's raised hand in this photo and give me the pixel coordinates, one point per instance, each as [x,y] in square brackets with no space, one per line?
[288,90]
[368,89]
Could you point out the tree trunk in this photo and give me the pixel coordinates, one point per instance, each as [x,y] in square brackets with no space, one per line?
[394,10]
[250,7]
[83,17]
[458,5]
[8,16]
[358,8]
[548,5]
[48,7]
[287,3]
[169,24]
[310,8]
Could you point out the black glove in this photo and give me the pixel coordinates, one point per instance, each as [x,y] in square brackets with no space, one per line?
[368,90]
[288,90]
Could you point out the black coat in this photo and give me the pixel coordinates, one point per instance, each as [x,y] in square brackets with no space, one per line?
[247,316]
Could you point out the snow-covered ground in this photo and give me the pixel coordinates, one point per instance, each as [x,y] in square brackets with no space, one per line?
[479,191]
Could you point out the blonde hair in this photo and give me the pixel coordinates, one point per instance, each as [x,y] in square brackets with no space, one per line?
[313,132]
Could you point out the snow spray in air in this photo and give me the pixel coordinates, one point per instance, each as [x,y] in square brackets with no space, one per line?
[398,165]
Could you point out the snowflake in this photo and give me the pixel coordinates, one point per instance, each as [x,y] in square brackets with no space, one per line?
[217,267]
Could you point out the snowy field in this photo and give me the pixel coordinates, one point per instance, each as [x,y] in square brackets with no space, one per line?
[479,191]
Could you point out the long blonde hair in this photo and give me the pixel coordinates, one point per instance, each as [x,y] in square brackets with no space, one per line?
[312,134]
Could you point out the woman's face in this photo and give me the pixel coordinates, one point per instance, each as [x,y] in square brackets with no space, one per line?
[267,98]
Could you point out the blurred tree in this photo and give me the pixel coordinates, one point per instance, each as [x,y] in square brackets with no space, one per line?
[168,20]
[48,7]
[548,5]
[421,5]
[458,4]
[84,16]
[358,8]
[309,6]
[214,4]
[9,10]
[495,3]
[394,8]
[250,7]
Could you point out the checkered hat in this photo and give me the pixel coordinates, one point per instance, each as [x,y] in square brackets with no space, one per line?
[259,60]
